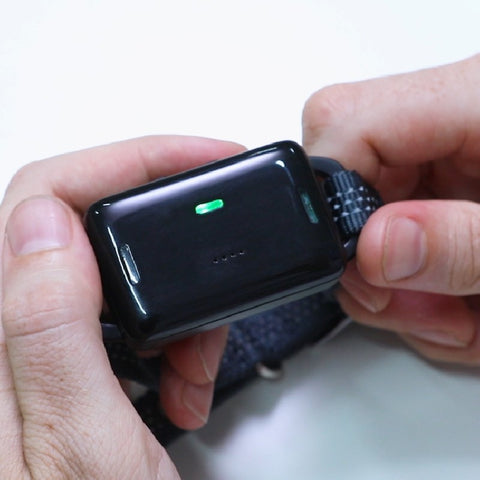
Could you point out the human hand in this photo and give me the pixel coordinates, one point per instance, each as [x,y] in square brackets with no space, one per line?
[414,137]
[64,414]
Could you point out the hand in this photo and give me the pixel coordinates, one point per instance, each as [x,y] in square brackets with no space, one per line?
[64,414]
[415,137]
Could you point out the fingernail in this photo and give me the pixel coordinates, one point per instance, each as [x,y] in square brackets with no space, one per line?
[441,338]
[373,299]
[209,352]
[197,400]
[405,249]
[38,224]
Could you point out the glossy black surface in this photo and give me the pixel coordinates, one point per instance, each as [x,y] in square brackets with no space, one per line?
[168,270]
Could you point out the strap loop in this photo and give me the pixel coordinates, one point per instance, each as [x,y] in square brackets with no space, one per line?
[351,199]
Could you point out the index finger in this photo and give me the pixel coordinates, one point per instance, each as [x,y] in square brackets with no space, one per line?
[400,120]
[80,178]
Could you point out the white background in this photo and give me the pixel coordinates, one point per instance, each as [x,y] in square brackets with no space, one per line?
[77,74]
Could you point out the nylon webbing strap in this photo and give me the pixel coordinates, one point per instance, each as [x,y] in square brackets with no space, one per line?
[351,200]
[265,339]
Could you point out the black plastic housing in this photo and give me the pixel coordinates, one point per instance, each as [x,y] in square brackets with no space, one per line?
[214,244]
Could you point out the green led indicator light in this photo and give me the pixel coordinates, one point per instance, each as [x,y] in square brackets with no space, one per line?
[208,207]
[307,205]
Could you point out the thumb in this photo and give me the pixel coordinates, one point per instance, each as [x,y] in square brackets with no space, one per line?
[74,411]
[427,245]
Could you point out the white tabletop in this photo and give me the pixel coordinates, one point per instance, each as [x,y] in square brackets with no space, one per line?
[77,74]
[360,407]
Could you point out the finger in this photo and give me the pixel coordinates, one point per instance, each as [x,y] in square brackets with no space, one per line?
[470,355]
[372,298]
[399,120]
[428,245]
[80,178]
[10,417]
[197,358]
[186,404]
[440,327]
[63,381]
[187,381]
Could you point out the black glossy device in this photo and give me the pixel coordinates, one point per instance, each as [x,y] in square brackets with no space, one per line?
[215,244]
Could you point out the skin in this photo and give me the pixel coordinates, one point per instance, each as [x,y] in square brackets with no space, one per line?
[64,413]
[417,270]
[414,137]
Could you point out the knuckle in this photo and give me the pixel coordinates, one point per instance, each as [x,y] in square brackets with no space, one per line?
[26,182]
[327,106]
[472,357]
[40,307]
[469,357]
[24,175]
[464,257]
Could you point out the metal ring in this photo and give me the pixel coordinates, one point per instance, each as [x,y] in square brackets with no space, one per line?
[269,371]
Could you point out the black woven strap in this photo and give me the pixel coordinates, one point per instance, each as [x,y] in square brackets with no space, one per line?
[351,200]
[260,341]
